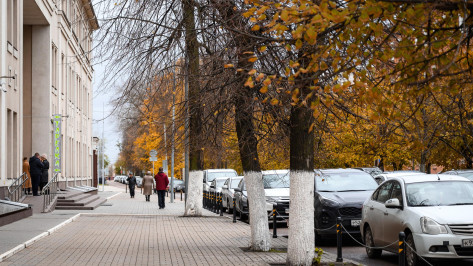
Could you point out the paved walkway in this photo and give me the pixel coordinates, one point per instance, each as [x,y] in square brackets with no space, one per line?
[129,231]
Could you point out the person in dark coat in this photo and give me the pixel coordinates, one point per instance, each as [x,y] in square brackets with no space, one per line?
[36,170]
[162,182]
[45,174]
[131,184]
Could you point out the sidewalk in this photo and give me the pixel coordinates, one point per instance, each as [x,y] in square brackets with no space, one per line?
[134,232]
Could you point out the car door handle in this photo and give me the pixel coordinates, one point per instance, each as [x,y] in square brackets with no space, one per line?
[386,214]
[371,208]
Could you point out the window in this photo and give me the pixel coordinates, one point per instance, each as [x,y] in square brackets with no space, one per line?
[12,22]
[54,78]
[384,192]
[397,192]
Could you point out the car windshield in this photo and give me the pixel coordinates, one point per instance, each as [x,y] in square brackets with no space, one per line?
[344,181]
[276,181]
[235,183]
[439,193]
[212,175]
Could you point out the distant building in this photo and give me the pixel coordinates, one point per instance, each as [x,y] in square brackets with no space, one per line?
[45,45]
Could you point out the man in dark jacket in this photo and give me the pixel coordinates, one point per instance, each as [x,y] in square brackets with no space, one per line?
[45,173]
[131,184]
[162,182]
[36,170]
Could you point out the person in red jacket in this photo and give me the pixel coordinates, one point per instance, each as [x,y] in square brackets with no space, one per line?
[162,182]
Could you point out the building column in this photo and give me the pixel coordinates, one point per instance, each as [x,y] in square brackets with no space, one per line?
[41,90]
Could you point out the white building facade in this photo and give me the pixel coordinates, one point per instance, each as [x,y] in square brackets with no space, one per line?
[45,70]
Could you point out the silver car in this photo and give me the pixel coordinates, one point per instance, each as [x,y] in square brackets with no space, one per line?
[228,191]
[434,211]
[211,174]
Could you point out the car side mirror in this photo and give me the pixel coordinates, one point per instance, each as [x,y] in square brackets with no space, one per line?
[224,187]
[237,189]
[393,204]
[212,186]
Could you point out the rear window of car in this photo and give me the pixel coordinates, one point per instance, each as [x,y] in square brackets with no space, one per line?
[344,181]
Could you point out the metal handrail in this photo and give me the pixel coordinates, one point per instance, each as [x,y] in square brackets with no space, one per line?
[15,191]
[49,191]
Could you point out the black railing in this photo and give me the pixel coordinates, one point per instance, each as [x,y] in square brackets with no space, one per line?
[15,190]
[49,191]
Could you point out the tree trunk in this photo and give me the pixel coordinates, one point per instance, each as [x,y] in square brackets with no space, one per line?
[194,197]
[423,160]
[381,163]
[247,143]
[301,218]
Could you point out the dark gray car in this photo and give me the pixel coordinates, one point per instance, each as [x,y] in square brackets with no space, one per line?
[340,193]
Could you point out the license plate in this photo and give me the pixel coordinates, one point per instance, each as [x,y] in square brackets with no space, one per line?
[467,242]
[355,223]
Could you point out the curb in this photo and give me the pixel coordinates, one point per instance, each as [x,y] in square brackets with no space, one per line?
[30,242]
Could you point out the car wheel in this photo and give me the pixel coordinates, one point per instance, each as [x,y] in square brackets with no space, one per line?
[411,257]
[369,242]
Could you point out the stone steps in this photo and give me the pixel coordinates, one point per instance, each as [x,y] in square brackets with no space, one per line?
[79,199]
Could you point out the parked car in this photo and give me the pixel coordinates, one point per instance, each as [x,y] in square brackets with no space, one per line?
[228,190]
[139,181]
[373,171]
[211,174]
[468,173]
[241,199]
[340,193]
[276,189]
[178,185]
[434,211]
[217,184]
[388,175]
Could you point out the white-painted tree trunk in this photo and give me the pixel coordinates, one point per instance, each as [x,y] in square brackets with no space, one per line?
[260,236]
[300,246]
[194,194]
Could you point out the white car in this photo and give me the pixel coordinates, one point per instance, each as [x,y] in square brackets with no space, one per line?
[228,191]
[380,178]
[434,211]
[276,189]
[211,174]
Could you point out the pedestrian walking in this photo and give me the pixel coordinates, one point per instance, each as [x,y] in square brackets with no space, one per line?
[45,174]
[36,170]
[131,184]
[162,182]
[148,185]
[26,170]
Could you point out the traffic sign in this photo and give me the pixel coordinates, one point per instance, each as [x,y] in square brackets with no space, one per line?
[153,159]
[153,153]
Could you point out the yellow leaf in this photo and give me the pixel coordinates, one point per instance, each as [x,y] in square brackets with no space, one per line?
[252,59]
[249,83]
[228,65]
[260,77]
[274,101]
[252,72]
[262,48]
[267,81]
[264,89]
[255,27]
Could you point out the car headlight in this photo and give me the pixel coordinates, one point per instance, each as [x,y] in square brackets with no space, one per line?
[329,202]
[431,227]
